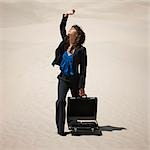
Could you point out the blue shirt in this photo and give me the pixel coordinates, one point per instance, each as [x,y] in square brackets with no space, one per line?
[66,65]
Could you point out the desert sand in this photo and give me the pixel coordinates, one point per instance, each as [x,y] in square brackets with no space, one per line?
[118,60]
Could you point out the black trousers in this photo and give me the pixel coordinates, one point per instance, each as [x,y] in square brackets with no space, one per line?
[63,87]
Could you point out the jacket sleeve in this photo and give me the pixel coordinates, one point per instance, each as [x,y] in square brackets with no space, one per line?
[63,26]
[58,51]
[83,66]
[58,54]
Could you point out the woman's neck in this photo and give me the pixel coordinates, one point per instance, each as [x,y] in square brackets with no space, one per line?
[71,48]
[71,41]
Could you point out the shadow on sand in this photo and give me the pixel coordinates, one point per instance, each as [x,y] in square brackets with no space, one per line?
[111,128]
[104,128]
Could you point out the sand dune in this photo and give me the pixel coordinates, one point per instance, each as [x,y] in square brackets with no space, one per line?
[30,12]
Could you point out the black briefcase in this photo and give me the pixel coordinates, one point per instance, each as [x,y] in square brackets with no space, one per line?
[81,116]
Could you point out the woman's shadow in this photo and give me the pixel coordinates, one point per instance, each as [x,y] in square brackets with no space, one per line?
[111,128]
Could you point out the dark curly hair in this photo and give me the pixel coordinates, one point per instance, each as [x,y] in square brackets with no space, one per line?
[80,39]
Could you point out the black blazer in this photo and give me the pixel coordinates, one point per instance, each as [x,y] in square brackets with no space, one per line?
[79,56]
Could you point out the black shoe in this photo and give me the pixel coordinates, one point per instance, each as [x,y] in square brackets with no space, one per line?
[62,133]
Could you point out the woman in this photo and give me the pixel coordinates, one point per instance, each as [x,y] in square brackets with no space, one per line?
[69,55]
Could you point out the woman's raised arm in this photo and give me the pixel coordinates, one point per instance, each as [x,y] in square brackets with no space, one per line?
[63,23]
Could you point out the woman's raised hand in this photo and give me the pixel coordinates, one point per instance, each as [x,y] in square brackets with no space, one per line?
[70,12]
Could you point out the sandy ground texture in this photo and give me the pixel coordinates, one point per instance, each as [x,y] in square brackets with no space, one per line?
[117,47]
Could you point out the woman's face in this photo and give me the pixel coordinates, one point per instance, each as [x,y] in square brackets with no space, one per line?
[72,32]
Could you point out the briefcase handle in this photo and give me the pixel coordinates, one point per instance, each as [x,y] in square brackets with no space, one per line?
[83,97]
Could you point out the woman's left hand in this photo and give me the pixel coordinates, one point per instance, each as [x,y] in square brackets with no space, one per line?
[82,92]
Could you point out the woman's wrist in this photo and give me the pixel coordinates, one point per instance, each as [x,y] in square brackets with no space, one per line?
[65,15]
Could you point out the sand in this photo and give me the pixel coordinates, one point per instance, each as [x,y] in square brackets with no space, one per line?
[117,46]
